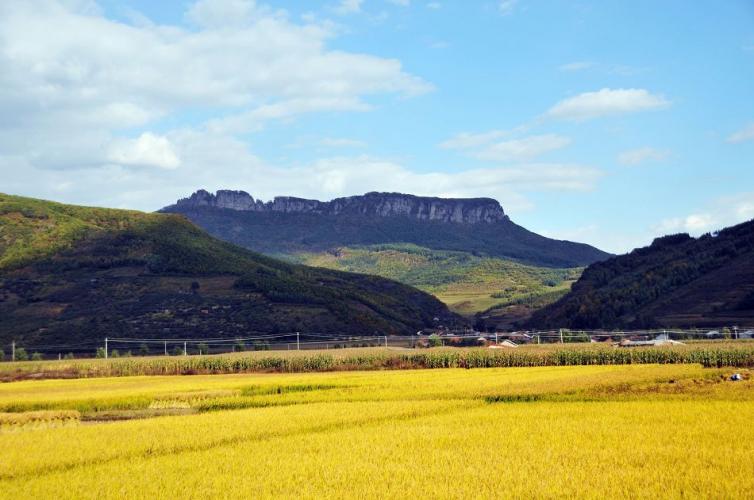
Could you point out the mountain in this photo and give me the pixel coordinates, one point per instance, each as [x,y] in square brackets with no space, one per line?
[677,281]
[289,226]
[75,274]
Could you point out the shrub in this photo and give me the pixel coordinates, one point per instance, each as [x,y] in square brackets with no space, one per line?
[143,350]
[177,351]
[69,356]
[203,348]
[36,356]
[114,353]
[100,352]
[21,354]
[435,340]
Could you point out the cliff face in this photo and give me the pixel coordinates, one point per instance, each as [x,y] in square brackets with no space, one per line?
[467,210]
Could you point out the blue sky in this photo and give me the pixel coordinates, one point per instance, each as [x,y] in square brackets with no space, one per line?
[599,121]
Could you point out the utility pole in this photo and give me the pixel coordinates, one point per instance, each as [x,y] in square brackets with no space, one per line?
[298,341]
[560,330]
[105,347]
[185,351]
[495,337]
[166,348]
[13,350]
[385,340]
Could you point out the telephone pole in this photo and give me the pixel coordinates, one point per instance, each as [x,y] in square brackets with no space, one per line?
[298,341]
[185,351]
[105,347]
[166,348]
[13,350]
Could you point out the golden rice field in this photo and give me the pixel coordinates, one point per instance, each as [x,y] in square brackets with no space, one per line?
[633,431]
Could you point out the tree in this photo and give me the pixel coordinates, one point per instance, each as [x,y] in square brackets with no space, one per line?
[239,346]
[114,353]
[2,355]
[100,352]
[21,354]
[203,348]
[143,350]
[68,356]
[36,356]
[177,351]
[435,340]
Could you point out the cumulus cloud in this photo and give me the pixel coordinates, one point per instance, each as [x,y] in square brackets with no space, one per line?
[576,66]
[147,150]
[743,135]
[66,70]
[606,102]
[348,7]
[522,149]
[341,142]
[506,7]
[466,140]
[642,155]
[721,213]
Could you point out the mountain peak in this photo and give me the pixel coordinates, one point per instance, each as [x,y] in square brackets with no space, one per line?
[458,210]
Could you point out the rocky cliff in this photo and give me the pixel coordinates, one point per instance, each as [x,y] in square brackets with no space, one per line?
[461,210]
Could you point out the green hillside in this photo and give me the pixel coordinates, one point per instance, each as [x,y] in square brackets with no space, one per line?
[468,283]
[74,273]
[677,281]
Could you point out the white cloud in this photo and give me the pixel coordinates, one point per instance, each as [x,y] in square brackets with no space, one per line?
[743,135]
[434,5]
[522,149]
[147,150]
[721,213]
[606,102]
[576,66]
[73,80]
[341,142]
[506,7]
[641,155]
[402,3]
[348,7]
[466,140]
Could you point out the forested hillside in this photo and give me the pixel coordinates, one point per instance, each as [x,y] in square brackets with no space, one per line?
[70,274]
[677,281]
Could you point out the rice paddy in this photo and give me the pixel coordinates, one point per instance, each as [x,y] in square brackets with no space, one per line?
[639,431]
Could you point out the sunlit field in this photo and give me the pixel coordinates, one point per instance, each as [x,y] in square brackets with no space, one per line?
[595,431]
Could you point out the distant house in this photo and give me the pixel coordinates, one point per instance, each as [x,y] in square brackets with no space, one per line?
[640,343]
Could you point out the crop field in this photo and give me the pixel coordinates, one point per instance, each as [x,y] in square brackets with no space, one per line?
[634,431]
[708,353]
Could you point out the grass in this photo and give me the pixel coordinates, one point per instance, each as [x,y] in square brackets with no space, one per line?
[468,283]
[709,354]
[666,431]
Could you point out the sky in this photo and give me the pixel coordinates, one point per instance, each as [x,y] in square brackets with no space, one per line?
[601,121]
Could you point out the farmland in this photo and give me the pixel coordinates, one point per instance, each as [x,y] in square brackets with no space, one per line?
[563,431]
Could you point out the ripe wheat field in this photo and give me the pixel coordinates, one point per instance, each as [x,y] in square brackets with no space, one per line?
[635,431]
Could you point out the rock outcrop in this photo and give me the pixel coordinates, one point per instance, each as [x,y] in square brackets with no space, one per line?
[460,210]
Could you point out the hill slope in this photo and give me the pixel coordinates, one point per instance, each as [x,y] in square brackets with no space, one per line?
[71,274]
[677,281]
[468,283]
[294,225]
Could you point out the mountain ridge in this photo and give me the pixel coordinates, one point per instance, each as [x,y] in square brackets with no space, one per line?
[476,225]
[459,210]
